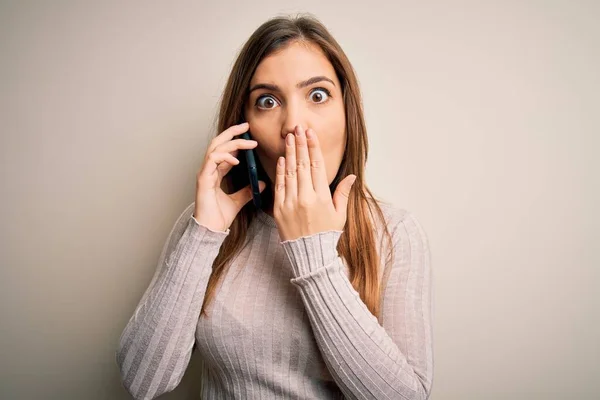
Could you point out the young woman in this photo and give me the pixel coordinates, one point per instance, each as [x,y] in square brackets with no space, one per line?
[324,292]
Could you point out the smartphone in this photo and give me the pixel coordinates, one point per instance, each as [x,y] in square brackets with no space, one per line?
[252,171]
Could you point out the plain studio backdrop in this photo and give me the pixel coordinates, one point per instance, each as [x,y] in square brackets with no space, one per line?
[483,120]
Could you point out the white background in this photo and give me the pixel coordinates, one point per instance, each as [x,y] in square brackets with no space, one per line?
[483,120]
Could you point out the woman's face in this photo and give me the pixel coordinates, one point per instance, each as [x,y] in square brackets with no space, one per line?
[296,86]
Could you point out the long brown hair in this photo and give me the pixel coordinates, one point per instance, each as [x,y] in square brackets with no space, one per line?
[357,244]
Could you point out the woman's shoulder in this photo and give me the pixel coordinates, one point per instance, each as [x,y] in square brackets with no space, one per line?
[406,233]
[399,220]
[393,214]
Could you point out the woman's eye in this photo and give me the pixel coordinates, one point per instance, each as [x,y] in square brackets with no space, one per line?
[320,95]
[266,102]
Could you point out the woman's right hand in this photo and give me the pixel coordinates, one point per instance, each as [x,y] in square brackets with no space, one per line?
[214,208]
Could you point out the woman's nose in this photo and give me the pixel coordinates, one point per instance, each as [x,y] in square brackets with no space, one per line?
[291,129]
[292,118]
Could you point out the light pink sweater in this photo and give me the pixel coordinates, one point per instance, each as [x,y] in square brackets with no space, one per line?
[285,321]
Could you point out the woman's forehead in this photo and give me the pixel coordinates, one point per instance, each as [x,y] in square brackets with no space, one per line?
[292,64]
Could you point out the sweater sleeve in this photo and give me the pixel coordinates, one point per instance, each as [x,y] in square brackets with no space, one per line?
[156,344]
[368,360]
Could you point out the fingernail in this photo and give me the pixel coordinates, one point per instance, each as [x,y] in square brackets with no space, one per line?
[280,161]
[309,133]
[290,139]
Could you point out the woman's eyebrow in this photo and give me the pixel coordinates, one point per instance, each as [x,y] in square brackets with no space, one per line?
[299,85]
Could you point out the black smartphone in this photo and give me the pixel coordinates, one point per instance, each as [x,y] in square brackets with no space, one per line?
[252,171]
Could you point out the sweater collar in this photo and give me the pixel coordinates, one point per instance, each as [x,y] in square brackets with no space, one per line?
[265,218]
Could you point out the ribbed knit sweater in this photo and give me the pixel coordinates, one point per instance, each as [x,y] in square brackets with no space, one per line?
[285,322]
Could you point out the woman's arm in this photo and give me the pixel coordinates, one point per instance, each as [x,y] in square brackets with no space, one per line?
[156,344]
[367,360]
